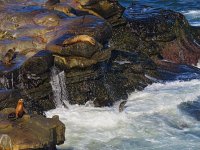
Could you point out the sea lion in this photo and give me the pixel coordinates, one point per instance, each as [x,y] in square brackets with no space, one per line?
[9,56]
[19,111]
[65,8]
[80,38]
[52,46]
[51,2]
[73,62]
[121,105]
[79,5]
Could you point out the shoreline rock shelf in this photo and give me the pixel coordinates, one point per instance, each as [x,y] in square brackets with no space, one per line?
[30,132]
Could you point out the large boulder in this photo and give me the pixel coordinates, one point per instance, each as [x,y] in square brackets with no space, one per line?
[115,55]
[28,79]
[30,131]
[111,10]
[158,33]
[111,80]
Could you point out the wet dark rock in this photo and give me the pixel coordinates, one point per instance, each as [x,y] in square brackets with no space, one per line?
[111,10]
[128,53]
[169,71]
[110,81]
[9,98]
[30,81]
[158,33]
[196,35]
[39,63]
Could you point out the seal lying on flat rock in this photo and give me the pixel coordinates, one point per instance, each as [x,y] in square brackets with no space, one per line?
[52,2]
[80,38]
[70,41]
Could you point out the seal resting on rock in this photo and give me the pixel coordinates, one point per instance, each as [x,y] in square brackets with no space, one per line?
[75,39]
[19,111]
[9,56]
[52,2]
[80,38]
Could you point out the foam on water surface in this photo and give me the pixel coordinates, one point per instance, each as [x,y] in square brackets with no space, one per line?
[193,16]
[151,120]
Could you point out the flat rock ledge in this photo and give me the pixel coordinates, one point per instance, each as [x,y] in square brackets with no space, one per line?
[30,132]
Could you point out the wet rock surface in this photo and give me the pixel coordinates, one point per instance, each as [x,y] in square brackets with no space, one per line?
[30,131]
[158,32]
[105,51]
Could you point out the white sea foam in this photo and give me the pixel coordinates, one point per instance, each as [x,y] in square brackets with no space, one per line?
[193,17]
[198,64]
[151,120]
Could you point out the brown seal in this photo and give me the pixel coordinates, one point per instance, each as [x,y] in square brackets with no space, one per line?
[20,109]
[80,38]
[122,105]
[52,2]
[9,56]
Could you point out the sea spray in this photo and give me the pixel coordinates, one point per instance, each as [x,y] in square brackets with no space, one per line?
[151,120]
[58,83]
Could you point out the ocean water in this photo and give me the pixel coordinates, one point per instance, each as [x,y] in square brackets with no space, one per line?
[157,118]
[164,116]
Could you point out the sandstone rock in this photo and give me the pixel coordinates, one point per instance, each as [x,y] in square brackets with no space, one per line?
[34,132]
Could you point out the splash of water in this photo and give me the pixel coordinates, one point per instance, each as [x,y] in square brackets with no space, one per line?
[151,120]
[58,83]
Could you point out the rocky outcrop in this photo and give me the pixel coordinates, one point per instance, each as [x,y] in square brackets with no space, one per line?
[196,35]
[30,131]
[109,81]
[42,29]
[104,53]
[158,33]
